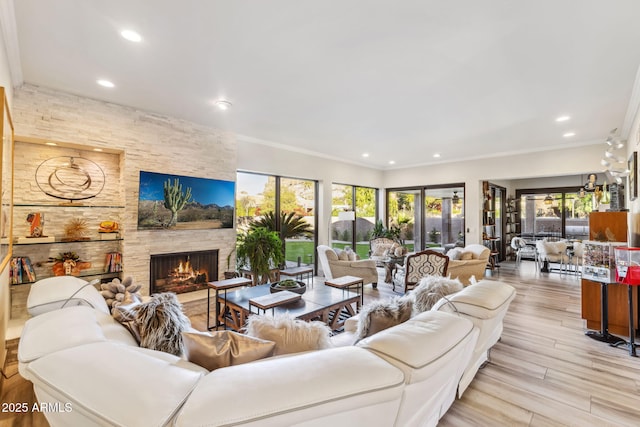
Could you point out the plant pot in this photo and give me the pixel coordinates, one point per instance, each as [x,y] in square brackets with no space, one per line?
[231,274]
[301,287]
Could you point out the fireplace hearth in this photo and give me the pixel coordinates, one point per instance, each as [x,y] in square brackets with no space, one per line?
[183,272]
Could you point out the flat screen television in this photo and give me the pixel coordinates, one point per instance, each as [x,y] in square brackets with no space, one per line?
[180,202]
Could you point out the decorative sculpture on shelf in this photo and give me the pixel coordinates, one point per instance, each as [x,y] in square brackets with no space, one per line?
[175,200]
[76,230]
[70,178]
[36,224]
[68,263]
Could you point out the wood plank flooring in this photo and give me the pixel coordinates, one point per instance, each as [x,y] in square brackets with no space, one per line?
[544,371]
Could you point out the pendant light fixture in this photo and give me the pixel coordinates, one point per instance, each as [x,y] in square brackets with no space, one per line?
[455,199]
[548,200]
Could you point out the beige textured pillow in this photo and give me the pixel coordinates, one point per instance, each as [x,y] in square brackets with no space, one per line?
[343,256]
[353,256]
[224,348]
[126,315]
[290,335]
[383,314]
[465,256]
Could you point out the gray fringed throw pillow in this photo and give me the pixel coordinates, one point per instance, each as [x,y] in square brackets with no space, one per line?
[161,323]
[431,289]
[379,315]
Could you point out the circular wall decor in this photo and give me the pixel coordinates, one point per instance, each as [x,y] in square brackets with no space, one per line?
[70,178]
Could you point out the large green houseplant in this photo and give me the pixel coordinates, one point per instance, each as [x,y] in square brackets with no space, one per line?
[259,251]
[291,225]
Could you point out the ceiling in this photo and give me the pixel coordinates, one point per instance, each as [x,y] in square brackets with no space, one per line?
[398,80]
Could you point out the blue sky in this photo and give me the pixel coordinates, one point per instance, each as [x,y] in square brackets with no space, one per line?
[203,190]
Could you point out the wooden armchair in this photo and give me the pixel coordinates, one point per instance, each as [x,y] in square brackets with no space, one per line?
[421,264]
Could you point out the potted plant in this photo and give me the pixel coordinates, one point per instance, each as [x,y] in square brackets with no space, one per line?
[289,285]
[291,225]
[259,251]
[230,274]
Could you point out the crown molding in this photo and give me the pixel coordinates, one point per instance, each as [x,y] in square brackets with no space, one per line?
[11,45]
[632,108]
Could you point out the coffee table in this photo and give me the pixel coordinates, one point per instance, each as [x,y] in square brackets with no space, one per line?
[329,305]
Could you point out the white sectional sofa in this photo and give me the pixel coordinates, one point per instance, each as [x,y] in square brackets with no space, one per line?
[87,365]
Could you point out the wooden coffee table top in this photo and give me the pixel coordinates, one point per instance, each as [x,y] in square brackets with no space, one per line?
[343,282]
[275,299]
[236,282]
[313,300]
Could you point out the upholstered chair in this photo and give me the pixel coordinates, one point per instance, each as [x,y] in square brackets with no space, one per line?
[421,264]
[333,266]
[471,262]
[552,252]
[576,258]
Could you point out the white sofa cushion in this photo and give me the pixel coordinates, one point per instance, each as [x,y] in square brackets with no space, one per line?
[432,349]
[114,384]
[67,328]
[338,386]
[55,292]
[482,300]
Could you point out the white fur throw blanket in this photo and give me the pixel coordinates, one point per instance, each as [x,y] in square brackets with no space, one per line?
[431,289]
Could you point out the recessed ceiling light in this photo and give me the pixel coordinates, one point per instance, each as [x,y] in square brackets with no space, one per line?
[97,149]
[53,144]
[562,118]
[437,155]
[105,83]
[131,35]
[365,154]
[392,162]
[223,104]
[569,134]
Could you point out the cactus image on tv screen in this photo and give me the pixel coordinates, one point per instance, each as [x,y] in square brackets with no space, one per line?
[183,202]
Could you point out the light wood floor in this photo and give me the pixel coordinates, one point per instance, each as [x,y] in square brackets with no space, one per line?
[544,371]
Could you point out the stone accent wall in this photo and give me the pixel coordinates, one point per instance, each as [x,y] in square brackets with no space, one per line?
[149,142]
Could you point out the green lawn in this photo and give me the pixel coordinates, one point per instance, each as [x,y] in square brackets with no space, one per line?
[303,248]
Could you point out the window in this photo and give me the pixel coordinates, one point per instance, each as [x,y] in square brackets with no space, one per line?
[353,215]
[554,214]
[260,197]
[428,217]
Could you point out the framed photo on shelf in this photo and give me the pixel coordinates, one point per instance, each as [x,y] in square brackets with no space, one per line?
[632,165]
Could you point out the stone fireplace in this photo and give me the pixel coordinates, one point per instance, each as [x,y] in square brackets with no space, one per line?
[183,272]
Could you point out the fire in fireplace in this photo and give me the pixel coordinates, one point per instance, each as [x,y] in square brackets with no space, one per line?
[183,272]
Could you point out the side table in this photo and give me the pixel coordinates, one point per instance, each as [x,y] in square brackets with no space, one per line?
[345,282]
[222,285]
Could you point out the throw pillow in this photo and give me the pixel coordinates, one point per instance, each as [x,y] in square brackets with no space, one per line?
[466,255]
[399,251]
[343,256]
[353,256]
[161,323]
[382,314]
[290,335]
[454,254]
[126,315]
[431,289]
[224,348]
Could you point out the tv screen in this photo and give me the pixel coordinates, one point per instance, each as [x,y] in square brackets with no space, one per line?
[184,203]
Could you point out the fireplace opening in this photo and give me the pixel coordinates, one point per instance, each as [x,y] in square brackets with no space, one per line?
[183,272]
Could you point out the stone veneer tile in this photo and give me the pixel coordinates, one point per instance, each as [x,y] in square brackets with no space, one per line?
[149,142]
